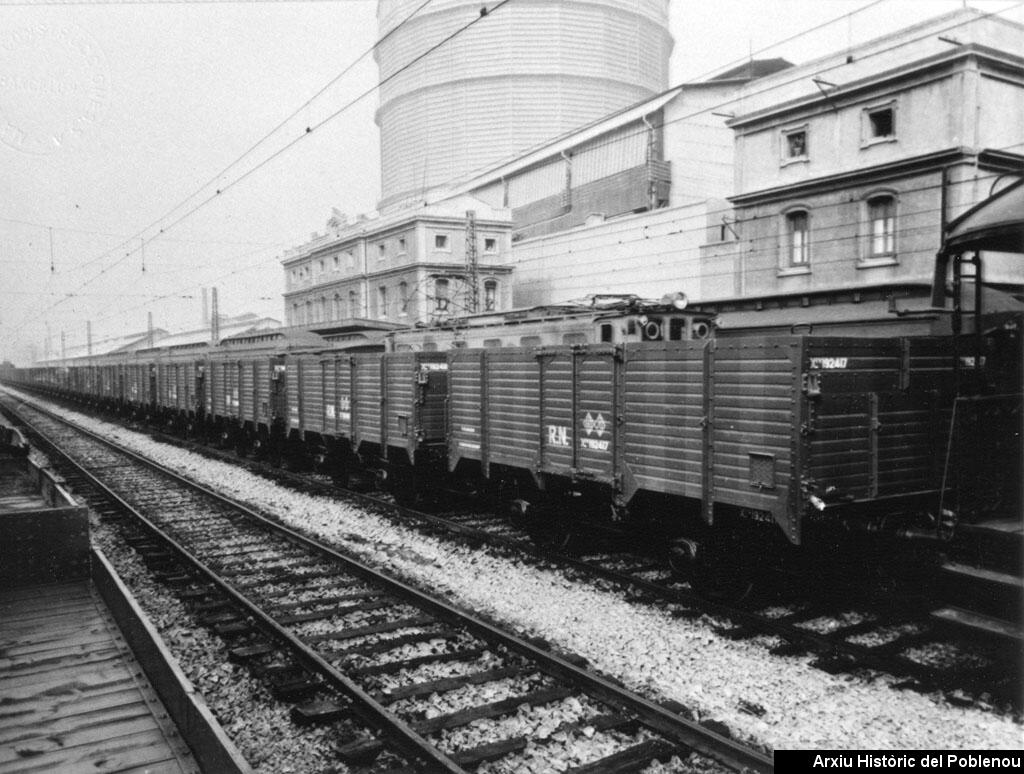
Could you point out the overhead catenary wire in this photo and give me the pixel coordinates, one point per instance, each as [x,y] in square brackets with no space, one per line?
[485,13]
[704,110]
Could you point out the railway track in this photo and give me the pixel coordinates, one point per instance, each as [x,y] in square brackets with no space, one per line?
[848,629]
[341,640]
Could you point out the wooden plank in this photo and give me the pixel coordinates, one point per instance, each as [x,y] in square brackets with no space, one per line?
[62,632]
[984,574]
[131,750]
[65,658]
[33,595]
[18,719]
[632,759]
[492,710]
[448,684]
[287,607]
[366,631]
[35,610]
[66,682]
[59,728]
[970,619]
[335,611]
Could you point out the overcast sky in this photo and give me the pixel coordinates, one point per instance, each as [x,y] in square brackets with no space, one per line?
[151,100]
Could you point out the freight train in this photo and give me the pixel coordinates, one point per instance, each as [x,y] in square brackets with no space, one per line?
[725,449]
[619,413]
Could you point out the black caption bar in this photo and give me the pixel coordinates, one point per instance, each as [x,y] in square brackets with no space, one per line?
[920,761]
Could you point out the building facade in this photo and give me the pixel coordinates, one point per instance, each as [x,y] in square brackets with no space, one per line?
[848,168]
[413,267]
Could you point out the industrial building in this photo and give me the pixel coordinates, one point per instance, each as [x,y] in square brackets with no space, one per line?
[768,186]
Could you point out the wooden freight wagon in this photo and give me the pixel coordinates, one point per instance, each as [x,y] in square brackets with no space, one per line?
[385,412]
[760,430]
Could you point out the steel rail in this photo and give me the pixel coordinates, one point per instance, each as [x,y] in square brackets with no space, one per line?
[365,706]
[681,730]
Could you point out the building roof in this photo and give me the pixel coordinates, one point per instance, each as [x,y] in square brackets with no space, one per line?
[995,224]
[755,68]
[368,225]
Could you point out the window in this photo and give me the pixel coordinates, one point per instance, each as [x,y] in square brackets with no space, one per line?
[338,312]
[403,298]
[321,265]
[382,251]
[337,262]
[878,124]
[798,246]
[794,145]
[350,259]
[490,295]
[401,244]
[882,123]
[353,304]
[440,241]
[881,227]
[322,312]
[309,313]
[490,245]
[382,302]
[295,314]
[441,294]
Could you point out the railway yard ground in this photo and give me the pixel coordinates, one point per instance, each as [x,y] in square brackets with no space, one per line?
[743,687]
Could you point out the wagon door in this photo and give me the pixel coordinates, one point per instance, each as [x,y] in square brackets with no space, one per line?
[152,394]
[278,397]
[557,442]
[595,396]
[852,384]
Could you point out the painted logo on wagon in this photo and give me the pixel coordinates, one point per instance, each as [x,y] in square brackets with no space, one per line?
[558,435]
[594,426]
[829,363]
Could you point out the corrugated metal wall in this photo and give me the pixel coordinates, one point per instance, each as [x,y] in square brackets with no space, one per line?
[521,77]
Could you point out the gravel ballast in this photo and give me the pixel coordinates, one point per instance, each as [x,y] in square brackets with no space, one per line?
[646,648]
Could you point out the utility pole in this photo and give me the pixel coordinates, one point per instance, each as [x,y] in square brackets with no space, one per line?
[472,263]
[214,317]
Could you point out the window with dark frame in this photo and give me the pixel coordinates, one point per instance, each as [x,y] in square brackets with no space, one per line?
[441,294]
[881,227]
[796,144]
[440,241]
[490,295]
[882,123]
[798,246]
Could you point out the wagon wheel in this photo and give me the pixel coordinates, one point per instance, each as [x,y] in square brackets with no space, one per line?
[722,571]
[341,474]
[404,489]
[551,533]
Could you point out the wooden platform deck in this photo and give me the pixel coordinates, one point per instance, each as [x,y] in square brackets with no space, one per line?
[72,697]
